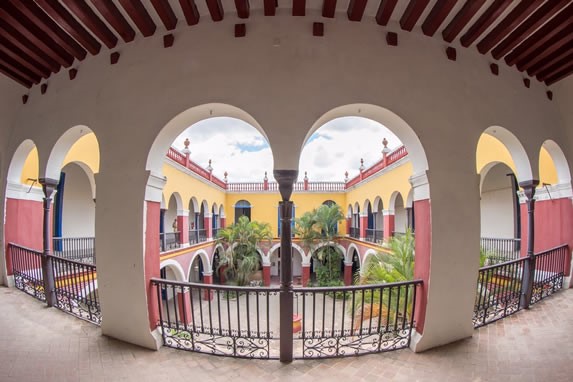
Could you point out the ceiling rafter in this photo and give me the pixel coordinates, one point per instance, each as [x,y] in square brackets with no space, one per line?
[328,8]
[544,13]
[385,11]
[215,9]
[88,17]
[166,14]
[33,34]
[461,19]
[556,67]
[65,19]
[484,21]
[21,71]
[190,11]
[140,16]
[22,81]
[551,59]
[437,15]
[521,12]
[114,17]
[24,59]
[561,74]
[412,14]
[243,8]
[552,46]
[356,9]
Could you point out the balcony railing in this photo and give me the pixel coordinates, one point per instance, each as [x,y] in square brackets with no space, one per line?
[374,235]
[245,321]
[184,161]
[80,249]
[202,235]
[215,232]
[169,240]
[298,187]
[355,232]
[394,156]
[499,250]
[27,270]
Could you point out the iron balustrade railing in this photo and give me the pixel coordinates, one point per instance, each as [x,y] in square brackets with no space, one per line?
[221,320]
[498,250]
[354,320]
[193,236]
[215,232]
[355,232]
[27,270]
[169,240]
[202,235]
[75,248]
[498,294]
[76,289]
[374,235]
[549,268]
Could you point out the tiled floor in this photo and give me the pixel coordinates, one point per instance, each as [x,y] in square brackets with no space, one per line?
[42,344]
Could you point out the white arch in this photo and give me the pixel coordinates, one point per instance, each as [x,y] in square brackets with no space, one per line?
[363,259]
[366,204]
[393,197]
[348,253]
[18,161]
[516,150]
[349,211]
[391,120]
[206,210]
[356,208]
[178,200]
[221,211]
[341,249]
[163,205]
[410,199]
[195,204]
[188,118]
[214,209]
[487,168]
[89,173]
[207,267]
[61,149]
[305,257]
[378,204]
[559,160]
[175,267]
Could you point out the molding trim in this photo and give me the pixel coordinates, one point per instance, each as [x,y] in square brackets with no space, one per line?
[20,191]
[154,188]
[421,186]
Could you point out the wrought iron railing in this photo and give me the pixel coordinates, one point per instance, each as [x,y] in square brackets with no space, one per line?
[75,248]
[499,289]
[76,289]
[169,240]
[549,272]
[374,235]
[221,320]
[355,232]
[354,320]
[202,235]
[27,270]
[499,250]
[193,236]
[215,232]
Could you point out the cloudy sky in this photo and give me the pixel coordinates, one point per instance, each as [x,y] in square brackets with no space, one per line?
[238,148]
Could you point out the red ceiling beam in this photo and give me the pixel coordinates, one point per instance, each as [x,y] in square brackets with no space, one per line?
[65,20]
[461,19]
[413,13]
[140,16]
[328,8]
[544,13]
[544,51]
[20,42]
[215,9]
[356,9]
[114,17]
[15,67]
[298,7]
[37,16]
[243,8]
[190,11]
[166,14]
[33,34]
[88,17]
[556,67]
[270,7]
[22,81]
[566,71]
[543,35]
[522,11]
[437,15]
[484,21]
[385,11]
[551,59]
[23,59]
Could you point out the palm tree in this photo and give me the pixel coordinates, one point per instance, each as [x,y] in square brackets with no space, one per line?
[241,258]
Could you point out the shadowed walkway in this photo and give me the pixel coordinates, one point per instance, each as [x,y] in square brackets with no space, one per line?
[42,344]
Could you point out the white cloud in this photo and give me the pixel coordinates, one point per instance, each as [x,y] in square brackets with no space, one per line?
[238,148]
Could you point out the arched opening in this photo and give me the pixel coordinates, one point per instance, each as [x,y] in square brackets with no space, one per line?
[400,216]
[242,208]
[369,229]
[378,220]
[193,218]
[171,238]
[327,265]
[275,260]
[355,226]
[355,266]
[196,270]
[215,223]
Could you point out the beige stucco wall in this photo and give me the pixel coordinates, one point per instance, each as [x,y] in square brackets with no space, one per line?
[285,89]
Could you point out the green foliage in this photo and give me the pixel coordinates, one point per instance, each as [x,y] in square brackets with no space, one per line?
[319,228]
[241,258]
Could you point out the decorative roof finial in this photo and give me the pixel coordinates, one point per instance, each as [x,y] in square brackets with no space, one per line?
[225,174]
[346,177]
[186,150]
[361,168]
[305,176]
[385,150]
[209,167]
[266,177]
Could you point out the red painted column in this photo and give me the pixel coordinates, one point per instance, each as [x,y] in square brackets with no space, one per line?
[184,307]
[348,224]
[389,225]
[152,259]
[208,279]
[267,275]
[423,248]
[363,226]
[305,274]
[183,228]
[347,274]
[223,222]
[208,227]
